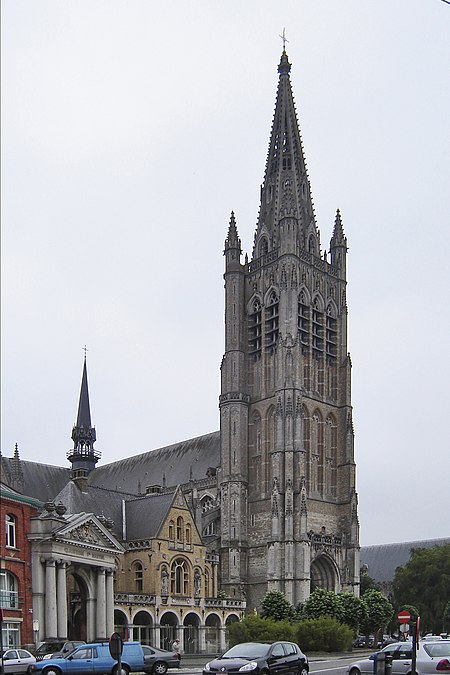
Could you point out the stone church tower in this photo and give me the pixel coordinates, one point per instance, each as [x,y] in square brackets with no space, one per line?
[287,481]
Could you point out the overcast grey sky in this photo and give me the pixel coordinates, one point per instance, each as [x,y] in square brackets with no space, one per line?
[131,129]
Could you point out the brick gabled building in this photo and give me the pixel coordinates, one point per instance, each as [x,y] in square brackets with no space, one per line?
[16,601]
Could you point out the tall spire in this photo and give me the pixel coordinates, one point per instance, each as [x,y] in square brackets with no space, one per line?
[286,191]
[83,455]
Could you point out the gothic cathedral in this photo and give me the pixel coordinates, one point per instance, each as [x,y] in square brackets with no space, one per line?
[289,517]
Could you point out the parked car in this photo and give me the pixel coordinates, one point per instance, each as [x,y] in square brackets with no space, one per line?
[258,657]
[432,657]
[159,660]
[56,648]
[93,658]
[16,660]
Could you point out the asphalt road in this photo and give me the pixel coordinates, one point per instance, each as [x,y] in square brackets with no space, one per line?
[332,664]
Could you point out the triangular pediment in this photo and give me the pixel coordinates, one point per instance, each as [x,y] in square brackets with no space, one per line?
[84,529]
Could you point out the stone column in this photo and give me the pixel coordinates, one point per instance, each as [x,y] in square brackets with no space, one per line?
[38,585]
[51,624]
[101,603]
[202,639]
[61,594]
[90,620]
[222,639]
[109,602]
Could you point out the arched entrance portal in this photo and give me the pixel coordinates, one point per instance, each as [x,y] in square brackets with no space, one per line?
[142,628]
[232,618]
[121,624]
[323,574]
[212,634]
[168,632]
[77,597]
[190,634]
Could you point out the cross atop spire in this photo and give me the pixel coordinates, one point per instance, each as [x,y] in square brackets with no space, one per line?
[284,38]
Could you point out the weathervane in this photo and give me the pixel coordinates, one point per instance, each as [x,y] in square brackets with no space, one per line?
[284,38]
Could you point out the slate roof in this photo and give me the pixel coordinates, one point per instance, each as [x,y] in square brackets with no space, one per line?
[144,516]
[169,466]
[382,560]
[99,501]
[41,481]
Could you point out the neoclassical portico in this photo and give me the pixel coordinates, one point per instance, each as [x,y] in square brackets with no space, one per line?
[73,563]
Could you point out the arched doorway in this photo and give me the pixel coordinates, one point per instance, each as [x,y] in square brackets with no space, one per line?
[76,615]
[142,628]
[232,618]
[121,624]
[212,634]
[190,634]
[168,632]
[323,574]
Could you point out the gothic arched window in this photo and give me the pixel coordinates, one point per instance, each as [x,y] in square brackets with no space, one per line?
[172,530]
[180,528]
[303,320]
[331,334]
[263,246]
[138,576]
[271,321]
[207,503]
[179,577]
[330,456]
[317,328]
[255,328]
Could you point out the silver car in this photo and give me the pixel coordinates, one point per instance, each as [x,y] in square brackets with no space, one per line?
[16,660]
[433,657]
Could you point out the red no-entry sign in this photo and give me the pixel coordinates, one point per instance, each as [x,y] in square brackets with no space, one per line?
[404,616]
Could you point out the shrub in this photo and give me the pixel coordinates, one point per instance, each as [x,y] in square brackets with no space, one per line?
[257,629]
[323,634]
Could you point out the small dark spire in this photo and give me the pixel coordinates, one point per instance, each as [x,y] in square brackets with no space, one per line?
[232,240]
[16,471]
[83,456]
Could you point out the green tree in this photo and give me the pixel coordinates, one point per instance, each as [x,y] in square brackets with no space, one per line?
[446,617]
[367,583]
[275,606]
[319,603]
[350,610]
[425,582]
[379,611]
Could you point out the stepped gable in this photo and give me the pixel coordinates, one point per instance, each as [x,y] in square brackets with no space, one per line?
[169,466]
[382,560]
[41,481]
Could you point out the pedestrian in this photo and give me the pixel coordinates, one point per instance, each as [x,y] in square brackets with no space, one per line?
[176,646]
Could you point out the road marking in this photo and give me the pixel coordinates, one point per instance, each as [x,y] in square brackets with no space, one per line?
[326,670]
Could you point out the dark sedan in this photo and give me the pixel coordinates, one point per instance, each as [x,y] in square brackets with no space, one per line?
[159,660]
[279,658]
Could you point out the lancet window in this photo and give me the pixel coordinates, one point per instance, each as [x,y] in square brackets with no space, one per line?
[255,329]
[179,577]
[303,321]
[317,329]
[271,321]
[331,335]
